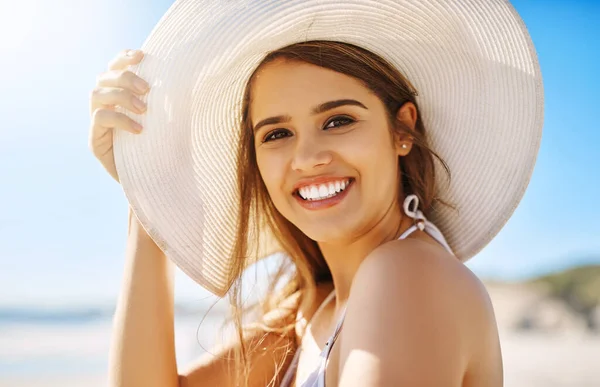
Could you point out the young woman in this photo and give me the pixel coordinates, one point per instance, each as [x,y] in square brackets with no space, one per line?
[336,166]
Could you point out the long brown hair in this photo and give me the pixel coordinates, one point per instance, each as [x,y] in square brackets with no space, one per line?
[417,176]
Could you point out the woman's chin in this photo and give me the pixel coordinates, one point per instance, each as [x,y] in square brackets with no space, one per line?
[323,234]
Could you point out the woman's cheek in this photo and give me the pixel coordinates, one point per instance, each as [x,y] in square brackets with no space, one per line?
[272,175]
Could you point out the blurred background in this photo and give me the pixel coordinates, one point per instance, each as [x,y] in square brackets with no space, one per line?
[63,219]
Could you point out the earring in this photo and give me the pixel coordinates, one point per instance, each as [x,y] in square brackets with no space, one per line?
[404,146]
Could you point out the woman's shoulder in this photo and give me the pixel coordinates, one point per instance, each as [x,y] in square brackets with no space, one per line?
[423,265]
[415,270]
[408,295]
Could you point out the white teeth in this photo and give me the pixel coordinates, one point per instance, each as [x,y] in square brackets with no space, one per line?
[303,192]
[331,189]
[314,192]
[322,191]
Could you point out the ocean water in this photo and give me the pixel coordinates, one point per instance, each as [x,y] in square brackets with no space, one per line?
[52,366]
[52,344]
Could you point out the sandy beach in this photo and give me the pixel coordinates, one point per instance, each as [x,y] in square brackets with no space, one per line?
[529,361]
[75,355]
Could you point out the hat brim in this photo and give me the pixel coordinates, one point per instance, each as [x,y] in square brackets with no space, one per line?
[472,62]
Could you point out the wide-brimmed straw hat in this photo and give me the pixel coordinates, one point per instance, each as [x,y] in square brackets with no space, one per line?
[472,62]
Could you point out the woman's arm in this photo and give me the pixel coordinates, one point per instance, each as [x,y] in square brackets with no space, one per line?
[143,346]
[269,357]
[272,353]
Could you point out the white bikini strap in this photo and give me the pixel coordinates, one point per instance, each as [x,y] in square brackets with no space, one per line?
[411,209]
[326,301]
[329,344]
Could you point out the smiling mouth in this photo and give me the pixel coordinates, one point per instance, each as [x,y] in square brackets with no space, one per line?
[316,192]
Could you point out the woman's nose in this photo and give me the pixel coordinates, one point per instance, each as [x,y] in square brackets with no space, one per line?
[310,153]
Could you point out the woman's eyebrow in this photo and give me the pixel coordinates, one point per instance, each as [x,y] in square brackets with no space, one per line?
[317,110]
[333,104]
[271,121]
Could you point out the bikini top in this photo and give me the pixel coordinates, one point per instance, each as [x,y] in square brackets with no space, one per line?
[317,377]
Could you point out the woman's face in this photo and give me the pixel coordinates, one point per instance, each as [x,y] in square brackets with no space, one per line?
[324,149]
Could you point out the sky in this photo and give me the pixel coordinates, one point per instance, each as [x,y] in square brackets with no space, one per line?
[63,220]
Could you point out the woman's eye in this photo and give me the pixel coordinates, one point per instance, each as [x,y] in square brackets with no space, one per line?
[338,121]
[276,135]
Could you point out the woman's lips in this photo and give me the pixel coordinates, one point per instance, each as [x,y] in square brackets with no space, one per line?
[324,203]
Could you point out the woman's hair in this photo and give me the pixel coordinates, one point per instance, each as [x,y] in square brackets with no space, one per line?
[417,176]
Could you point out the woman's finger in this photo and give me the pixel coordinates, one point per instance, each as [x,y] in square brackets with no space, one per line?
[124,79]
[111,96]
[108,119]
[125,58]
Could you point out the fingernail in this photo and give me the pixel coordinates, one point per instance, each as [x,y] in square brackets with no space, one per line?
[140,85]
[137,127]
[132,52]
[139,104]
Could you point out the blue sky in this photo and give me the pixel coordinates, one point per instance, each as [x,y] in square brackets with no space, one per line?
[63,220]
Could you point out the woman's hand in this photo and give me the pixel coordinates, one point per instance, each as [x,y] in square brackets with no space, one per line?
[117,86]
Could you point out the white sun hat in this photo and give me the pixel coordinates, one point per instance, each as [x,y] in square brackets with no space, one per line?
[472,62]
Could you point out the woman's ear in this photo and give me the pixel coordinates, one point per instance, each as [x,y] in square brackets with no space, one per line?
[407,117]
